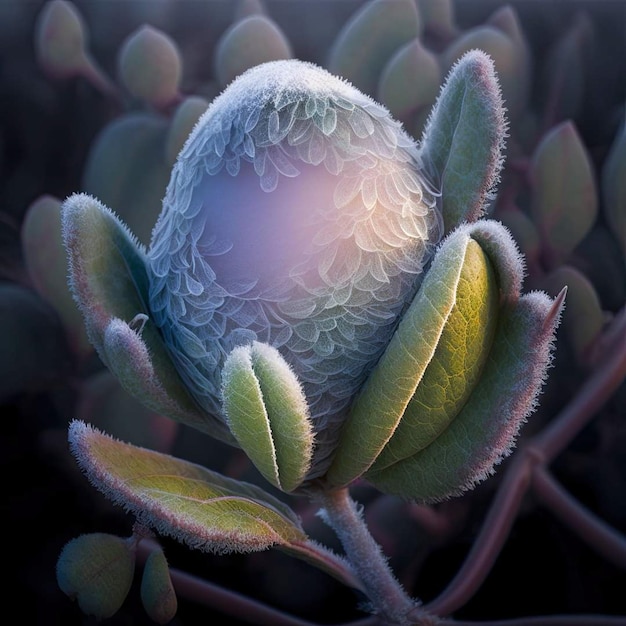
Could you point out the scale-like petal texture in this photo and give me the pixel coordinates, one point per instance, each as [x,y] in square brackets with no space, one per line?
[297,216]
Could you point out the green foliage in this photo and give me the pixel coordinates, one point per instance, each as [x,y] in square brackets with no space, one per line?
[565,201]
[370,38]
[435,364]
[97,571]
[464,138]
[410,102]
[503,398]
[250,41]
[196,506]
[267,413]
[444,404]
[109,281]
[46,262]
[185,117]
[127,169]
[150,66]
[157,592]
[60,38]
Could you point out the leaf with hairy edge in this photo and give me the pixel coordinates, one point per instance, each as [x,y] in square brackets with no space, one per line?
[109,280]
[183,500]
[464,138]
[457,363]
[565,199]
[485,430]
[370,38]
[457,305]
[268,414]
[198,507]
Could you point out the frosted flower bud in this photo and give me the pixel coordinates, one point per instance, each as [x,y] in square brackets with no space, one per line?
[297,215]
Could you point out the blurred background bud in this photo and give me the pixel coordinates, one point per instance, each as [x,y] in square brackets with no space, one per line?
[565,202]
[409,85]
[150,67]
[185,117]
[369,39]
[614,188]
[249,42]
[127,168]
[61,39]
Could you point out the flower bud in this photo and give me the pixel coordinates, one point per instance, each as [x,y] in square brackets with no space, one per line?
[150,66]
[296,216]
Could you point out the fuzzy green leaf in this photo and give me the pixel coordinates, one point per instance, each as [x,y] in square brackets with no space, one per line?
[268,414]
[485,430]
[108,275]
[464,139]
[97,570]
[457,363]
[182,500]
[370,38]
[565,199]
[460,286]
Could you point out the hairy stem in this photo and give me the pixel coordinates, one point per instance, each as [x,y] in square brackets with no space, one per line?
[388,599]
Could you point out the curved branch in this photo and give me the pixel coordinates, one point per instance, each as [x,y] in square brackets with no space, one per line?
[595,532]
[489,542]
[596,390]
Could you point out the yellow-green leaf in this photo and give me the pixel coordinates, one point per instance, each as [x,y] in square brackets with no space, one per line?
[109,280]
[390,388]
[485,430]
[268,414]
[183,500]
[457,363]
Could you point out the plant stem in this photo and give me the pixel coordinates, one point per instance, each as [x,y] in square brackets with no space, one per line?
[388,599]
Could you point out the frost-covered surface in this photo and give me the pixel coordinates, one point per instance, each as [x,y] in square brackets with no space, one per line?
[296,215]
